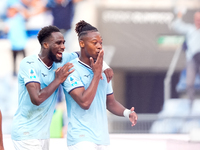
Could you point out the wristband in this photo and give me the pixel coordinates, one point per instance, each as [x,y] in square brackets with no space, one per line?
[127,112]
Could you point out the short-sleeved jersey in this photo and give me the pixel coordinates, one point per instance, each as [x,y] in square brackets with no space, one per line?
[87,125]
[31,121]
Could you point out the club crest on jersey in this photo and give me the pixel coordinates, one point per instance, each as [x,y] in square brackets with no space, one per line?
[32,74]
[72,81]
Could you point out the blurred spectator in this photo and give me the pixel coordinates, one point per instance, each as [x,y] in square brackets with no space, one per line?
[36,18]
[2,8]
[192,33]
[16,29]
[63,14]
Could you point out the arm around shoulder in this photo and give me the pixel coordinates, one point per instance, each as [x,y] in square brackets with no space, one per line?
[108,71]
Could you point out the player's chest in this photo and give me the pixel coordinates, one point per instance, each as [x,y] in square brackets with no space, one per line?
[46,77]
[87,77]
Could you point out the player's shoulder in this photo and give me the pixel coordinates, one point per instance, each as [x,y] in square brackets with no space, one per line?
[74,60]
[76,63]
[70,54]
[67,57]
[29,60]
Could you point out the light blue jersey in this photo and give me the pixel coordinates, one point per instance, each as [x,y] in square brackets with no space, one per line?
[87,125]
[31,121]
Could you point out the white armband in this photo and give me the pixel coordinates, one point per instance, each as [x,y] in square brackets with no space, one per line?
[105,66]
[127,112]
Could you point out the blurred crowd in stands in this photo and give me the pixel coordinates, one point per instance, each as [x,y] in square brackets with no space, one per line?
[38,13]
[22,19]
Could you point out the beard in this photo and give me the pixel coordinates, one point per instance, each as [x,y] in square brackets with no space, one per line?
[53,58]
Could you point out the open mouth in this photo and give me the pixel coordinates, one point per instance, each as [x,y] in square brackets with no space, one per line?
[59,54]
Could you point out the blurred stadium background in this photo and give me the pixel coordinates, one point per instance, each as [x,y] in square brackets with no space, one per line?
[149,72]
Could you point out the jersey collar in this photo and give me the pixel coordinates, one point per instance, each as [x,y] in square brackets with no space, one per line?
[44,63]
[84,64]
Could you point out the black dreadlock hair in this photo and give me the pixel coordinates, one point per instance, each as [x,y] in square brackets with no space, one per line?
[83,27]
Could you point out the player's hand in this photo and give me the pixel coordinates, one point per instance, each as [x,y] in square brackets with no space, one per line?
[97,66]
[133,117]
[63,72]
[109,74]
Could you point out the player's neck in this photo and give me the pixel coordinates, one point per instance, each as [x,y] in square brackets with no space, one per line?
[85,60]
[45,60]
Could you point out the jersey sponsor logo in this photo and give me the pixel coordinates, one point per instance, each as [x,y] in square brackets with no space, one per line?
[29,62]
[87,75]
[32,74]
[72,81]
[44,75]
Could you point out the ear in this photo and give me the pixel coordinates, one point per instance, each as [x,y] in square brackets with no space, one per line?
[45,45]
[81,43]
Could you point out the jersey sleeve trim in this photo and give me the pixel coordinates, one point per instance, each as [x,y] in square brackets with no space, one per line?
[32,82]
[109,93]
[75,88]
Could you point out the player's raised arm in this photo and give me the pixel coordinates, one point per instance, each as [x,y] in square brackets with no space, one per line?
[84,97]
